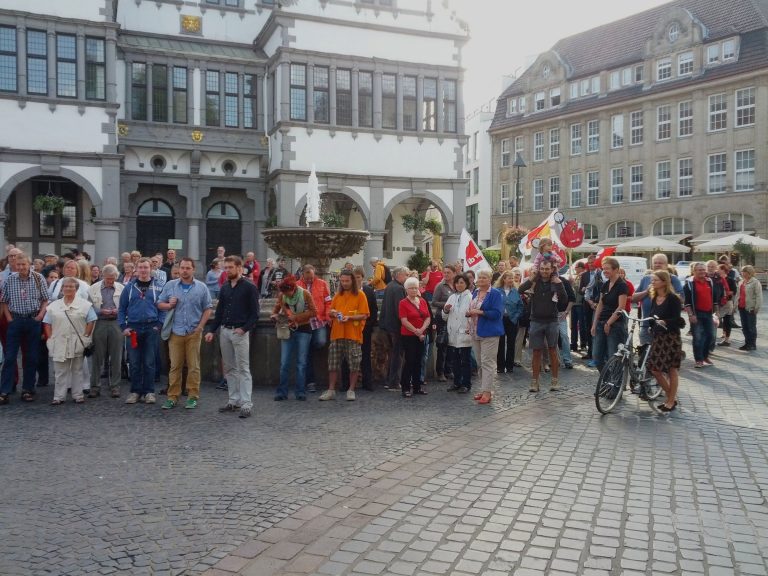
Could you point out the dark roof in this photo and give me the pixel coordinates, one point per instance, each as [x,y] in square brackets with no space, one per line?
[623,42]
[178,47]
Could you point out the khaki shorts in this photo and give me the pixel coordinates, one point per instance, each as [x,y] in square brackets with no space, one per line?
[344,349]
[543,335]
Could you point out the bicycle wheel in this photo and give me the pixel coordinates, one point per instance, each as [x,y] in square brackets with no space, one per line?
[611,384]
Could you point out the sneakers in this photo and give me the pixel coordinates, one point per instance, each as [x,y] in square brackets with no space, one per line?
[351,396]
[132,398]
[554,385]
[724,343]
[245,413]
[534,386]
[328,395]
[191,403]
[311,387]
[228,408]
[150,398]
[169,404]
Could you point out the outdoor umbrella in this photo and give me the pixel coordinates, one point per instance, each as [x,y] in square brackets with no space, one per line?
[651,244]
[726,243]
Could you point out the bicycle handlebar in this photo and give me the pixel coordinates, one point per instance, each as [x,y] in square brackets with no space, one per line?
[640,320]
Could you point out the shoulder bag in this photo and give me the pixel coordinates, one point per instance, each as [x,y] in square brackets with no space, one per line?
[87,350]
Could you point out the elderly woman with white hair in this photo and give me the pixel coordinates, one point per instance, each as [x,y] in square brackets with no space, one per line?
[68,325]
[486,312]
[415,320]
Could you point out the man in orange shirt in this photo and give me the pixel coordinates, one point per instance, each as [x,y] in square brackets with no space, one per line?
[321,297]
[349,311]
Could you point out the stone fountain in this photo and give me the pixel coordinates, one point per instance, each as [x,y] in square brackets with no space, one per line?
[315,244]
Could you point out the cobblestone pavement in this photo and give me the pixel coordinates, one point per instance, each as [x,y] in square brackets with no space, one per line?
[535,484]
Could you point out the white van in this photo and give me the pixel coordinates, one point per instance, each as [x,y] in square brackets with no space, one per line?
[634,266]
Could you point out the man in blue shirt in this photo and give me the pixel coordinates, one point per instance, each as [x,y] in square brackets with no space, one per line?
[140,320]
[190,303]
[658,262]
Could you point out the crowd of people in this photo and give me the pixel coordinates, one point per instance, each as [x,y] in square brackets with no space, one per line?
[87,322]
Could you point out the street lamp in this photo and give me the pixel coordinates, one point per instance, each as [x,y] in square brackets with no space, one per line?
[519,163]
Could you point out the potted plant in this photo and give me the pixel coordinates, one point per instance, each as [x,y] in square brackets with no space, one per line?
[514,235]
[49,203]
[413,223]
[433,225]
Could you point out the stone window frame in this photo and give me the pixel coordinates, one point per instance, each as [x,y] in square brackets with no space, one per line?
[748,172]
[663,122]
[685,123]
[636,129]
[506,155]
[593,188]
[593,137]
[685,177]
[11,56]
[505,198]
[675,224]
[617,131]
[575,191]
[554,143]
[62,60]
[378,68]
[717,168]
[538,146]
[575,131]
[717,106]
[45,87]
[636,183]
[538,195]
[617,185]
[81,30]
[745,111]
[635,228]
[663,180]
[554,192]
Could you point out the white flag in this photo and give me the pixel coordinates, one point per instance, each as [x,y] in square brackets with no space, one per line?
[470,254]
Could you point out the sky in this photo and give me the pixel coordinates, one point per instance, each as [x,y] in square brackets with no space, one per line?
[507,35]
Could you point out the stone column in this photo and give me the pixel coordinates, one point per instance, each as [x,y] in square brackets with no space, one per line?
[107,238]
[310,84]
[150,100]
[373,247]
[51,62]
[355,87]
[21,59]
[258,121]
[80,43]
[110,63]
[399,99]
[439,106]
[128,89]
[377,100]
[420,103]
[2,228]
[451,247]
[332,95]
[193,239]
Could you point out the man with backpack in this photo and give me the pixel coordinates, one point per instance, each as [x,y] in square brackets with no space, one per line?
[381,276]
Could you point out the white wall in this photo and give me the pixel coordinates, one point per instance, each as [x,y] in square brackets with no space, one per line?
[366,156]
[35,127]
[166,19]
[480,123]
[80,9]
[372,43]
[93,174]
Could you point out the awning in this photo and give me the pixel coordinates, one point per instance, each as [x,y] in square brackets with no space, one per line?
[651,244]
[586,247]
[612,241]
[716,236]
[727,243]
[676,237]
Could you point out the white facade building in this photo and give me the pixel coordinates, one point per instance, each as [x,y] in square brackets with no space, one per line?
[200,120]
[478,171]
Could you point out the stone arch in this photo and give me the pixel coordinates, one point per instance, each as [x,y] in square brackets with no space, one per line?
[20,177]
[437,202]
[349,193]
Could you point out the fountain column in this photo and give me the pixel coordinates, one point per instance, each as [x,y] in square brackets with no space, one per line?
[373,247]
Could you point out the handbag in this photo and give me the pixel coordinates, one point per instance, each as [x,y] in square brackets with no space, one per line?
[282,328]
[165,333]
[87,350]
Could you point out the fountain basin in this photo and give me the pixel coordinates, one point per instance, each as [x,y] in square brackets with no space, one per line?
[316,246]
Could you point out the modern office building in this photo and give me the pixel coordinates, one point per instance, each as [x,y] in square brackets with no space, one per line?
[656,124]
[200,120]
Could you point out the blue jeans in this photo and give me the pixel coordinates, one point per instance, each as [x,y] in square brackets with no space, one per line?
[577,327]
[605,345]
[142,359]
[462,367]
[703,335]
[749,327]
[298,342]
[319,339]
[28,331]
[565,343]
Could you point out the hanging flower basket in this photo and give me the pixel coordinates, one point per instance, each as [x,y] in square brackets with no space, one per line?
[433,225]
[514,235]
[48,203]
[413,223]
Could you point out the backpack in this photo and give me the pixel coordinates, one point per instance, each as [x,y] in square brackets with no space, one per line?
[387,275]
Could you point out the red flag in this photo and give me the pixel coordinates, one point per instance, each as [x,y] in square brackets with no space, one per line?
[604,253]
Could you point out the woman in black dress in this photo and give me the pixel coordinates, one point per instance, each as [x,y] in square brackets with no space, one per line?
[667,351]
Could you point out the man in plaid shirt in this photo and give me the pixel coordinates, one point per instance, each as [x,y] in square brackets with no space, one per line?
[24,300]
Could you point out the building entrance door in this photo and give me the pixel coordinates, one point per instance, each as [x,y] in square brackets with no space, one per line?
[223,228]
[155,225]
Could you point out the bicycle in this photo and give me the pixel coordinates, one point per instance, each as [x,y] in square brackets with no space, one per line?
[626,366]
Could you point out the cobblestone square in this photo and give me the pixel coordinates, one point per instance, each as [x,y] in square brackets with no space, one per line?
[536,484]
